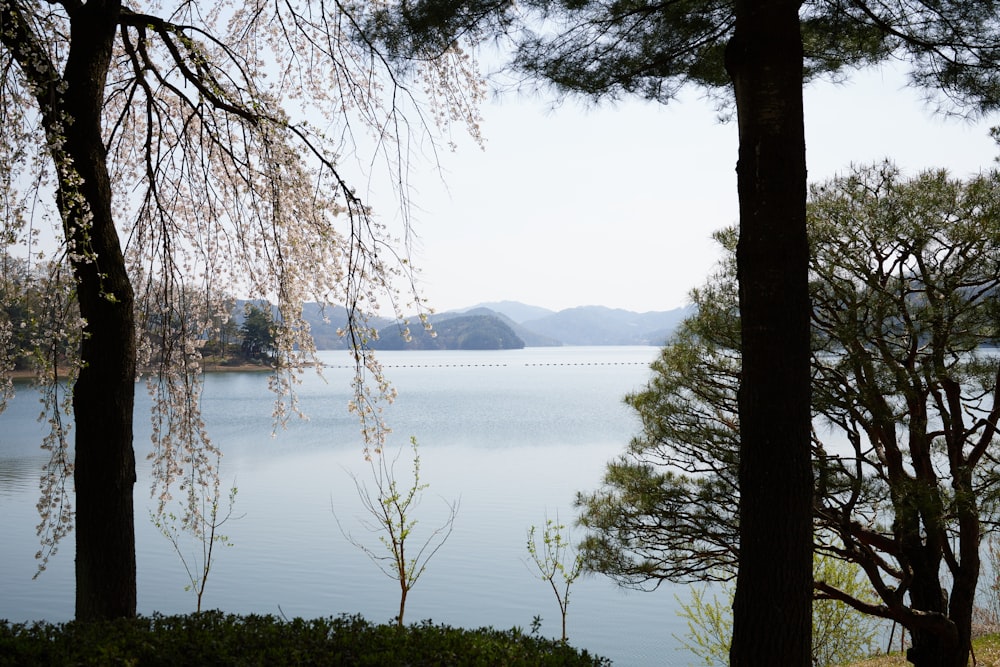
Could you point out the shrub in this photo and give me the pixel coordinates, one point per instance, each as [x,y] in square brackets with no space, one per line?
[214,638]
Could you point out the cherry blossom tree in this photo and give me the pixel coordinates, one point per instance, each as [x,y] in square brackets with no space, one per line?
[177,150]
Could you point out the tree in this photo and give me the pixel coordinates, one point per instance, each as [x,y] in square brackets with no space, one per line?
[37,311]
[202,520]
[257,331]
[556,557]
[905,287]
[182,147]
[390,509]
[757,53]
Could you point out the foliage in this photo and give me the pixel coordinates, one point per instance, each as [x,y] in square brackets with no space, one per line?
[709,623]
[840,634]
[40,332]
[905,285]
[217,639]
[201,520]
[257,332]
[652,50]
[37,313]
[390,508]
[556,559]
[657,516]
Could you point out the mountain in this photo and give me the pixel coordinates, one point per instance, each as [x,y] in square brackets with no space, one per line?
[324,333]
[513,310]
[462,332]
[530,338]
[598,325]
[503,327]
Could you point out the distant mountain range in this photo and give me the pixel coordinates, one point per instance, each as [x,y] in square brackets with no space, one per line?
[509,324]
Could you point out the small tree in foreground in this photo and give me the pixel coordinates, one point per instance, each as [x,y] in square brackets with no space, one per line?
[202,519]
[390,507]
[556,558]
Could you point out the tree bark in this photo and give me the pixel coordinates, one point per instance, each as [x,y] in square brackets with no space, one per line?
[948,641]
[966,578]
[104,394]
[773,603]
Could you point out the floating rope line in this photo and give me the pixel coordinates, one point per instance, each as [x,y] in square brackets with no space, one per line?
[577,363]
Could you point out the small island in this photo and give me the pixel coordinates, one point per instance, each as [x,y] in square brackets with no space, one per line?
[467,332]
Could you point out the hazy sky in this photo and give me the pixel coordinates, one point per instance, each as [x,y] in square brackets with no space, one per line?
[616,205]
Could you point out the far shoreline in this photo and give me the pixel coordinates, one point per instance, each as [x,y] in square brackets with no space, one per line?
[28,374]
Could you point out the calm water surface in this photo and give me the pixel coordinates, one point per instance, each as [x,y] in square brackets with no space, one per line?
[512,434]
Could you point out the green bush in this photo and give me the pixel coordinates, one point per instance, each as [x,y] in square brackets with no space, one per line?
[214,638]
[840,633]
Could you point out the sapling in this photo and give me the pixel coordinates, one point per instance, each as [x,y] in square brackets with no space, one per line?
[556,558]
[202,519]
[390,507]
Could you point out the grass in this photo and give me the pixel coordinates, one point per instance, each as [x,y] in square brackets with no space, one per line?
[986,650]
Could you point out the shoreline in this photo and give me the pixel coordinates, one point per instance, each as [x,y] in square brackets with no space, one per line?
[27,374]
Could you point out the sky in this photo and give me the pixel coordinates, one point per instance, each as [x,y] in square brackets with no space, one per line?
[616,205]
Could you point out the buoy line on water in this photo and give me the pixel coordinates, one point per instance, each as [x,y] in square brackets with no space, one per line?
[526,364]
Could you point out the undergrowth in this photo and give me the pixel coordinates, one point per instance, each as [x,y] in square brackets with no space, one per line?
[214,638]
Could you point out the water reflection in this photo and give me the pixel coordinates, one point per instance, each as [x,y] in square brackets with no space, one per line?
[19,475]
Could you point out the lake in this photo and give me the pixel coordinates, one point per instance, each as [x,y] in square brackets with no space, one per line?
[512,434]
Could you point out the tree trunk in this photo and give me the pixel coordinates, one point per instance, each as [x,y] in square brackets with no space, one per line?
[104,394]
[966,579]
[948,641]
[403,590]
[931,649]
[963,597]
[933,645]
[772,609]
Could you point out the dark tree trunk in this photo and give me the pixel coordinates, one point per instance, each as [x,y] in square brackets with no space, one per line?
[963,597]
[934,645]
[773,604]
[104,394]
[966,578]
[932,649]
[946,640]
